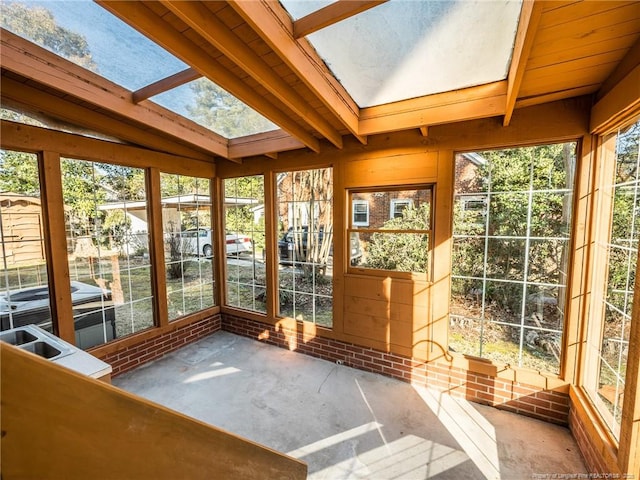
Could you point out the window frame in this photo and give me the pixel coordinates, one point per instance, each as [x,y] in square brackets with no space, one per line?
[482,198]
[354,228]
[607,155]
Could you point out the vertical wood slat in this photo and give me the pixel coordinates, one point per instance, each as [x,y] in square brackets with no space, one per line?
[156,247]
[341,245]
[271,243]
[578,294]
[56,246]
[216,193]
[441,251]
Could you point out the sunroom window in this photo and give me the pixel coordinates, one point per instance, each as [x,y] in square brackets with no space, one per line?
[511,232]
[305,245]
[396,237]
[24,289]
[615,275]
[244,242]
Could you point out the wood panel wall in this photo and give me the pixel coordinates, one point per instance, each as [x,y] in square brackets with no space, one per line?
[57,423]
[400,315]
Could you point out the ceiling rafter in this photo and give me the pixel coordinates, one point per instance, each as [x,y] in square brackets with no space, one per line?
[36,63]
[165,84]
[332,13]
[273,24]
[201,20]
[61,109]
[137,15]
[527,28]
[266,143]
[458,105]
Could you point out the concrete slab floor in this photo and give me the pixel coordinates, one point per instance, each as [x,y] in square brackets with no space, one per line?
[349,424]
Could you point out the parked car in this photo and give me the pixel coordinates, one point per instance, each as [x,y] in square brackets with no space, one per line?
[198,241]
[287,249]
[93,313]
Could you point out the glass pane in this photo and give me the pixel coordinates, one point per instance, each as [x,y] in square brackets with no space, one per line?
[88,35]
[551,214]
[305,245]
[244,243]
[622,257]
[503,301]
[24,288]
[108,256]
[470,214]
[460,340]
[508,214]
[541,350]
[529,204]
[468,257]
[501,343]
[548,261]
[188,242]
[506,258]
[209,105]
[397,252]
[472,173]
[395,42]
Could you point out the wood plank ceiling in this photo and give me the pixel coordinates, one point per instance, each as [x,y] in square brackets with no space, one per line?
[255,51]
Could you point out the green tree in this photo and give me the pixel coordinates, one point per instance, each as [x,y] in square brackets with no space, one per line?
[19,173]
[39,25]
[126,182]
[225,114]
[81,193]
[405,252]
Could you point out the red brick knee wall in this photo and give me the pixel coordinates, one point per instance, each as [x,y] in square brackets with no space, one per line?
[516,397]
[147,350]
[592,458]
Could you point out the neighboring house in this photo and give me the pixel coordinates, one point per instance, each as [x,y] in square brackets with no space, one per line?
[21,229]
[173,211]
[373,209]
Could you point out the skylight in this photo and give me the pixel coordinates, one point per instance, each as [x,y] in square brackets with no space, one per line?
[112,49]
[88,35]
[209,105]
[404,49]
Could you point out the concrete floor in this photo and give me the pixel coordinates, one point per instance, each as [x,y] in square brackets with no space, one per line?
[349,424]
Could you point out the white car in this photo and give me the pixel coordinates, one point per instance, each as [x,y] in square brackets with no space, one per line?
[198,241]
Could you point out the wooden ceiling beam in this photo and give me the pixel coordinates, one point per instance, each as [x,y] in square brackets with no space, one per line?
[332,13]
[273,24]
[201,20]
[27,138]
[61,109]
[464,104]
[166,84]
[527,29]
[263,144]
[158,30]
[33,62]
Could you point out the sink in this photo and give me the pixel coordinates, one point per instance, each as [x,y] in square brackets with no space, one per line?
[43,349]
[17,337]
[34,339]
